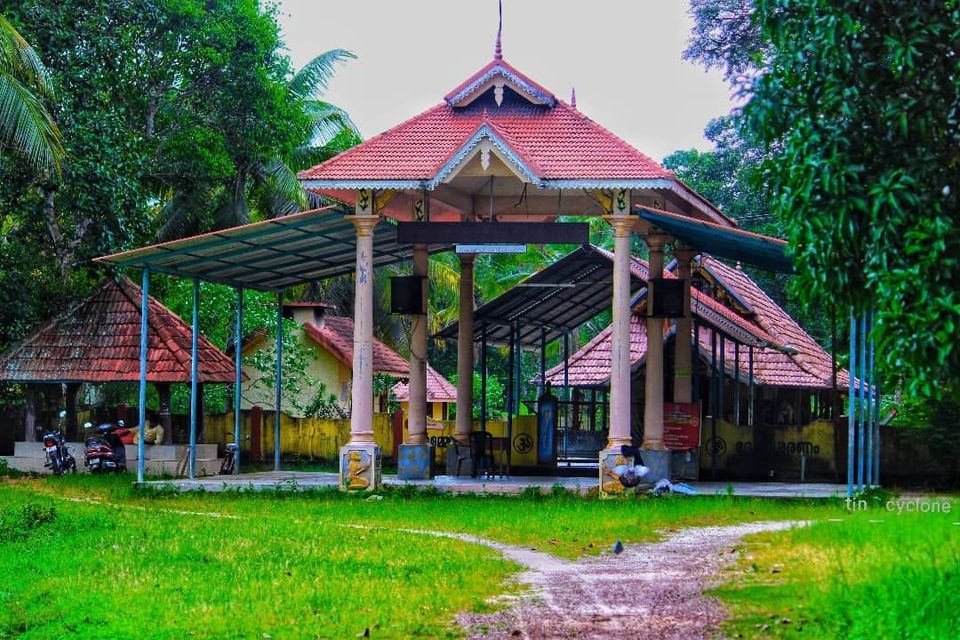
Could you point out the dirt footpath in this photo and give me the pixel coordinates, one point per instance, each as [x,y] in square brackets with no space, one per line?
[650,591]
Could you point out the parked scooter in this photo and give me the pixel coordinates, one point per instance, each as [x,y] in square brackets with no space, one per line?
[58,456]
[105,450]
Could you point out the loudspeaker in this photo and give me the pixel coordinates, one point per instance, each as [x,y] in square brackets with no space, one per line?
[406,295]
[665,298]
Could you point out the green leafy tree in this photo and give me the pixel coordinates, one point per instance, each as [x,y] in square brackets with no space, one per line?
[26,125]
[858,106]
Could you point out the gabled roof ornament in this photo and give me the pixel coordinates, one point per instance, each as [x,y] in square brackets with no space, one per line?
[573,97]
[498,48]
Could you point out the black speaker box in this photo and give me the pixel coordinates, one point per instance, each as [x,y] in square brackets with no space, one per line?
[665,298]
[406,295]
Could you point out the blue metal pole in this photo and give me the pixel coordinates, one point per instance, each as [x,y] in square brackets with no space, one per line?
[869,406]
[277,384]
[192,473]
[862,408]
[875,461]
[851,403]
[144,313]
[238,370]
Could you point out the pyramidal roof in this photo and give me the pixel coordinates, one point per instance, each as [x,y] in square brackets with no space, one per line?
[546,141]
[99,341]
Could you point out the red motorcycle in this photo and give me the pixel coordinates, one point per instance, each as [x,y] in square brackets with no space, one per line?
[105,451]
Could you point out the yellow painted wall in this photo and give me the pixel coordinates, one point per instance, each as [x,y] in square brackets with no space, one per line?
[320,438]
[740,448]
[324,367]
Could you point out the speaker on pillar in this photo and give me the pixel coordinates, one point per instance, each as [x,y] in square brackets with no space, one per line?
[406,295]
[665,297]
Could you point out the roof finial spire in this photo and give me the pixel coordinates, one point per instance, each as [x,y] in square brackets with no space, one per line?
[573,97]
[498,49]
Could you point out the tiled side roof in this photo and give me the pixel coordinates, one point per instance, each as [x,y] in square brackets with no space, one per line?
[439,388]
[99,341]
[336,336]
[561,142]
[809,367]
[811,360]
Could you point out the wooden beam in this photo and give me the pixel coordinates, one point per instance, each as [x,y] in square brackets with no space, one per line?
[493,233]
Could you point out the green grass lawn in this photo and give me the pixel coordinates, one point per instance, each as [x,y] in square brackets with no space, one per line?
[870,574]
[153,565]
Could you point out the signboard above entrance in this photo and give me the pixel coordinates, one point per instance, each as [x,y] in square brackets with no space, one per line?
[493,232]
[491,248]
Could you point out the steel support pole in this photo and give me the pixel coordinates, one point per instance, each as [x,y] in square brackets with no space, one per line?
[869,405]
[750,388]
[861,395]
[852,403]
[736,383]
[876,418]
[695,362]
[195,331]
[510,392]
[483,378]
[278,385]
[144,327]
[543,360]
[722,378]
[566,365]
[713,404]
[238,380]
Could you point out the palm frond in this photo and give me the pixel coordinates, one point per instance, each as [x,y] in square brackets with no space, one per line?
[284,193]
[26,125]
[18,59]
[312,80]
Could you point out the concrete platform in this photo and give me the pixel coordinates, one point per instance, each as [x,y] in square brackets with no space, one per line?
[305,481]
[160,459]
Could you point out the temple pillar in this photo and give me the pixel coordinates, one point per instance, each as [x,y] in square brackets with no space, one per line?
[415,454]
[619,434]
[654,453]
[464,362]
[682,361]
[360,459]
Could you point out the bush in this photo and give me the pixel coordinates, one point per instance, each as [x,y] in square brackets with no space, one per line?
[19,524]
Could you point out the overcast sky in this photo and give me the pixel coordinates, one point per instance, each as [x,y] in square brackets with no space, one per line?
[623,57]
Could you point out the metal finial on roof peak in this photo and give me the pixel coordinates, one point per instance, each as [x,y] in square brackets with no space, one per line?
[573,97]
[498,48]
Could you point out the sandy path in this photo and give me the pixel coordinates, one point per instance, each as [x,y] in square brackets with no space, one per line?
[651,591]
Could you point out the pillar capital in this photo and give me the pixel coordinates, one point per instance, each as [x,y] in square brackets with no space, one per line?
[363,224]
[467,259]
[656,241]
[622,225]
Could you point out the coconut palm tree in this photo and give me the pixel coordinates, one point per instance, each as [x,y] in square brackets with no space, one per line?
[270,185]
[26,125]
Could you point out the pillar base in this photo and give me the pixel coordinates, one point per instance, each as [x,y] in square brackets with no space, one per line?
[413,461]
[658,461]
[610,484]
[360,467]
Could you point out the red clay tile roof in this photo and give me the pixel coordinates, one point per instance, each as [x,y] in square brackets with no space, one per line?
[335,334]
[99,341]
[439,388]
[809,367]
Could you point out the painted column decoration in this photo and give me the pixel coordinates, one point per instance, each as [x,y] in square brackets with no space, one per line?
[682,362]
[612,458]
[465,352]
[360,457]
[415,454]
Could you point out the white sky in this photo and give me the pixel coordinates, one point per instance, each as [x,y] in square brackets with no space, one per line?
[623,57]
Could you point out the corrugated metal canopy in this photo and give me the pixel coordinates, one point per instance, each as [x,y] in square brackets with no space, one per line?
[269,255]
[725,242]
[558,299]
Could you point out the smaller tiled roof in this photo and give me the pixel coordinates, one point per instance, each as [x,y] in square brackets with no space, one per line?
[99,341]
[335,334]
[439,388]
[590,366]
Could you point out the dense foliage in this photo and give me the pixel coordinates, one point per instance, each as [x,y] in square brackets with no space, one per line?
[858,107]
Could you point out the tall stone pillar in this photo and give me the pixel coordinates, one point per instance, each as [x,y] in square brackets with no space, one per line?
[415,454]
[654,452]
[360,458]
[464,362]
[619,434]
[682,356]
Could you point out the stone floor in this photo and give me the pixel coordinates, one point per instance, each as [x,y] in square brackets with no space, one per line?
[302,480]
